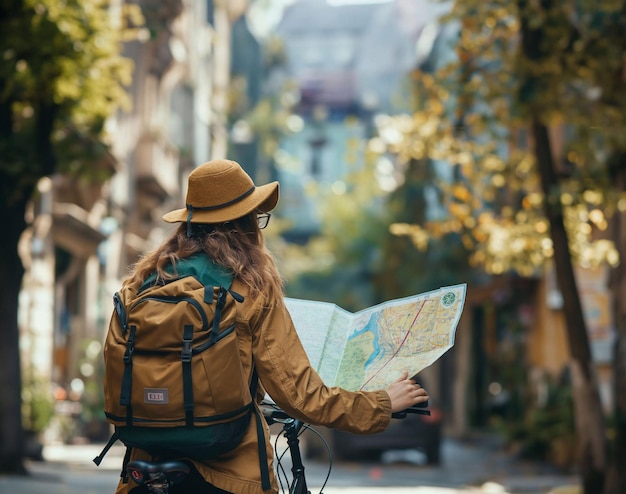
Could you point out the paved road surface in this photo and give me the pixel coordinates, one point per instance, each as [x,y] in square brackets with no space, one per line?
[479,467]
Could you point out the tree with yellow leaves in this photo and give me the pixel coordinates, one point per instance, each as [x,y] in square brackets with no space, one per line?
[532,119]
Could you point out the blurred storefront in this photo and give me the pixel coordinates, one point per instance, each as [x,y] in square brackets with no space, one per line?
[551,350]
[512,353]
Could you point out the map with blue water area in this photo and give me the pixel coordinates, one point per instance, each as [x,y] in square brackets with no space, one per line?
[370,349]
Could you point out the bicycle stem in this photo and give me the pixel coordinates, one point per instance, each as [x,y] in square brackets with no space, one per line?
[297,468]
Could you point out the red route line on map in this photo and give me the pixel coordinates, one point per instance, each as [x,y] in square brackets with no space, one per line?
[399,346]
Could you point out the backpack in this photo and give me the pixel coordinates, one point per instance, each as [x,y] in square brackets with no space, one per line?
[174,385]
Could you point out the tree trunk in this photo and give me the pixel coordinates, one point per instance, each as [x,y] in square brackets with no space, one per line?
[11,272]
[616,478]
[590,428]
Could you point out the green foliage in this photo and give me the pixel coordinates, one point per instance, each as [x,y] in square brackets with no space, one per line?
[346,254]
[547,426]
[439,262]
[37,402]
[356,261]
[91,365]
[61,77]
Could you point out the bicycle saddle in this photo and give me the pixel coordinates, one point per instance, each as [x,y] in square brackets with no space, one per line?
[171,471]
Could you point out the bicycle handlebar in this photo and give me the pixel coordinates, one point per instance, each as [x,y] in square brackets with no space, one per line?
[273,414]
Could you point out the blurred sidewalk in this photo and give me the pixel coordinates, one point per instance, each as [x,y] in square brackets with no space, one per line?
[68,469]
[477,467]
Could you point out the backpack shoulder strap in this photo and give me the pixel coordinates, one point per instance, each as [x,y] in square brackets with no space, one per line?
[260,431]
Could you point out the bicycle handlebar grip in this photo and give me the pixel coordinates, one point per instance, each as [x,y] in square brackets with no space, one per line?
[269,416]
[418,409]
[272,414]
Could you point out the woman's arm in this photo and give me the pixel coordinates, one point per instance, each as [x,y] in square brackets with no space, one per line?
[286,373]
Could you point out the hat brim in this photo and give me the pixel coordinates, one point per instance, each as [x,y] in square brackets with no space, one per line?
[263,198]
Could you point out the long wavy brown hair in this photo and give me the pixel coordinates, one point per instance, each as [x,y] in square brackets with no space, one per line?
[236,245]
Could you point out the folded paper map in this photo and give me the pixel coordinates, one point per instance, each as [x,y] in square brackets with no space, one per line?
[371,348]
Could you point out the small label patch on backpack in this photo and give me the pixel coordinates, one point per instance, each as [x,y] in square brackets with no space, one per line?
[155,396]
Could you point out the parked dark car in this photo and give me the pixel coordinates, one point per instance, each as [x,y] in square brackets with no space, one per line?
[421,432]
[416,431]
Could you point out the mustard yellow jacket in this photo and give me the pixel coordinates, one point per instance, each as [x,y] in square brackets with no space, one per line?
[268,338]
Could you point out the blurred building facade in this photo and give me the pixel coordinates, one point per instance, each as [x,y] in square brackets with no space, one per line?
[85,236]
[349,61]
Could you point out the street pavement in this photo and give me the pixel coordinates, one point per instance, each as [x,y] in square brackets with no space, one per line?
[478,466]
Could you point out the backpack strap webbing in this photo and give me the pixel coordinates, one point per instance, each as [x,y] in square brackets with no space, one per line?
[98,459]
[217,318]
[187,377]
[127,378]
[265,472]
[124,473]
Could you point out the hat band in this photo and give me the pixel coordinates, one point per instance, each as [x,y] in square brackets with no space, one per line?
[223,205]
[191,207]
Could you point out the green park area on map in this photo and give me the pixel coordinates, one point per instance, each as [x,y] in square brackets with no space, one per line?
[371,348]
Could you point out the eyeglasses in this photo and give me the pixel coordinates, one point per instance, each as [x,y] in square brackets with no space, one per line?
[263,219]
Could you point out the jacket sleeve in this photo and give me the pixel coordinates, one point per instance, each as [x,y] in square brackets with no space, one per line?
[284,369]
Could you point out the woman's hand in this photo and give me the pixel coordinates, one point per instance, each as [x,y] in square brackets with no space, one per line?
[405,393]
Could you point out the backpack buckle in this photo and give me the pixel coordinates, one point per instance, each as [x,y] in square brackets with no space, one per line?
[128,355]
[221,298]
[130,345]
[130,350]
[186,351]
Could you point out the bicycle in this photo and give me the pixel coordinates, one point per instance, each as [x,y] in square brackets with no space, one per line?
[159,476]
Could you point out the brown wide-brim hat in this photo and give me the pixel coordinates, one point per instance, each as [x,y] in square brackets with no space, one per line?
[219,191]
